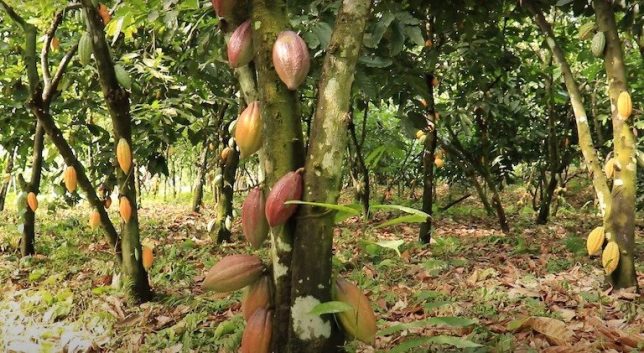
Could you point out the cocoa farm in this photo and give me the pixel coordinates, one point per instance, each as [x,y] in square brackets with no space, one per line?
[321,176]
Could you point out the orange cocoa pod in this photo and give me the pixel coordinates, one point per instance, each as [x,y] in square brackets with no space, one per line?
[288,188]
[248,130]
[258,296]
[32,201]
[233,272]
[94,219]
[70,178]
[148,257]
[125,209]
[124,155]
[104,12]
[257,334]
[359,323]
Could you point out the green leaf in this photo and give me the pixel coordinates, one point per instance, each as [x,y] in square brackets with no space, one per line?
[438,321]
[457,342]
[403,219]
[391,244]
[401,208]
[330,206]
[331,307]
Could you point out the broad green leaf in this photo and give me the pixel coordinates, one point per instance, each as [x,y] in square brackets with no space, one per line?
[331,307]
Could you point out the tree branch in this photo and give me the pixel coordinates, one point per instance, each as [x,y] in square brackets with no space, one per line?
[49,35]
[62,67]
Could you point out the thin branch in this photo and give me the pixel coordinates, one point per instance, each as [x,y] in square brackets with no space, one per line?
[14,16]
[62,66]
[49,36]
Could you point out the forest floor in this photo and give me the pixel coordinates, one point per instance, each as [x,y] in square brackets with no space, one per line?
[473,290]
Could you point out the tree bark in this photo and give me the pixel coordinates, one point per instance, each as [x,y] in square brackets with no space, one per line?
[429,149]
[622,212]
[8,169]
[27,245]
[363,190]
[118,104]
[551,144]
[197,199]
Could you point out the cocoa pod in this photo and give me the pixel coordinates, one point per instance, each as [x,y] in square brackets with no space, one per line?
[610,257]
[439,162]
[240,46]
[94,219]
[124,155]
[125,209]
[147,257]
[225,153]
[122,76]
[233,272]
[257,334]
[598,44]
[420,133]
[248,130]
[104,12]
[254,223]
[85,49]
[586,30]
[70,179]
[258,296]
[435,82]
[359,323]
[223,8]
[624,105]
[55,44]
[291,59]
[595,241]
[288,188]
[32,201]
[107,202]
[609,168]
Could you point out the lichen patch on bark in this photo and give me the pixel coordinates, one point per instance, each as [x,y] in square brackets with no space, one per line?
[306,325]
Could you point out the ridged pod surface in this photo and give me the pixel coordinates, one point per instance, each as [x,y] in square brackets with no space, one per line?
[610,257]
[225,153]
[248,130]
[254,223]
[94,219]
[624,105]
[288,188]
[595,241]
[70,179]
[359,323]
[233,272]
[291,59]
[258,296]
[420,133]
[148,257]
[124,155]
[32,201]
[598,44]
[240,46]
[85,49]
[609,168]
[258,331]
[122,76]
[125,209]
[586,30]
[223,8]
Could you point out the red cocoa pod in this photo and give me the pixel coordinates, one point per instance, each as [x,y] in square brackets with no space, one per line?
[254,223]
[248,130]
[233,272]
[359,323]
[223,8]
[291,59]
[240,46]
[257,334]
[258,296]
[288,188]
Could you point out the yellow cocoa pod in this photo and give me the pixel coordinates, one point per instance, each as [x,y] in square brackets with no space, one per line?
[595,241]
[124,155]
[420,133]
[624,105]
[32,201]
[94,219]
[55,44]
[439,162]
[609,168]
[125,209]
[248,130]
[225,153]
[70,179]
[359,323]
[610,257]
[148,257]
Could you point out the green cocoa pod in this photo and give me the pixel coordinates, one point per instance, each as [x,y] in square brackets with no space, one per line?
[85,49]
[598,44]
[586,30]
[122,76]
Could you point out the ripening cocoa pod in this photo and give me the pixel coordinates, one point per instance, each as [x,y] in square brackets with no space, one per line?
[107,202]
[609,168]
[420,133]
[223,8]
[248,130]
[288,188]
[624,105]
[70,179]
[233,272]
[257,334]
[595,241]
[85,49]
[610,257]
[32,201]
[124,155]
[291,59]
[258,296]
[125,209]
[122,76]
[55,44]
[254,223]
[359,323]
[148,257]
[586,30]
[435,82]
[439,162]
[104,12]
[225,153]
[94,219]
[240,46]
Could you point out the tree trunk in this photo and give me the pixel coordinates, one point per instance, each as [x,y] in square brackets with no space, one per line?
[553,158]
[429,148]
[197,199]
[8,169]
[27,245]
[622,213]
[363,189]
[118,103]
[224,209]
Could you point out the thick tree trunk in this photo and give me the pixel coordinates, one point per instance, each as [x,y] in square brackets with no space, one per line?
[118,104]
[27,245]
[6,178]
[429,149]
[622,212]
[311,263]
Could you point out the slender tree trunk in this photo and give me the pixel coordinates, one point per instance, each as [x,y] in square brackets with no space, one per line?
[364,191]
[429,149]
[118,103]
[8,169]
[622,213]
[197,199]
[27,245]
[553,158]
[224,210]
